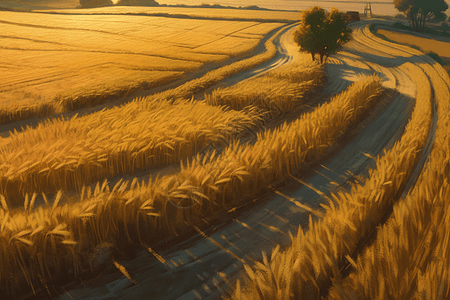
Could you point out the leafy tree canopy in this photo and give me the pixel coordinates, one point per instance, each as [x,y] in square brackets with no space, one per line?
[321,32]
[419,11]
[440,16]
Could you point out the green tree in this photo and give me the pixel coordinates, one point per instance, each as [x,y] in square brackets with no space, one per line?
[439,17]
[417,12]
[321,32]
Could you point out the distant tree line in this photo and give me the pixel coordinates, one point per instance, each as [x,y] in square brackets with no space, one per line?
[103,3]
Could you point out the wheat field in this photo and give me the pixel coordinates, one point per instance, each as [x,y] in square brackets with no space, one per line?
[55,238]
[409,258]
[303,272]
[426,45]
[79,60]
[76,165]
[69,153]
[276,91]
[34,171]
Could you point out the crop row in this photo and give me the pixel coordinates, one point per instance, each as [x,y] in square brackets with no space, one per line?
[67,154]
[277,91]
[410,258]
[305,269]
[43,244]
[148,132]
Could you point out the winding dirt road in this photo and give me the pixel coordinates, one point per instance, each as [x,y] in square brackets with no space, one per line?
[205,266]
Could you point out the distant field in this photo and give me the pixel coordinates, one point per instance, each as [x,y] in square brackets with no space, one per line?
[425,44]
[193,12]
[44,57]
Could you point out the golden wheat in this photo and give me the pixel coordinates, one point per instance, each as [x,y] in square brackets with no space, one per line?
[65,154]
[410,257]
[54,239]
[68,56]
[306,267]
[209,79]
[278,90]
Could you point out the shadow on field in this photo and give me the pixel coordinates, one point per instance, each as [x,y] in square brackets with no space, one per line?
[388,61]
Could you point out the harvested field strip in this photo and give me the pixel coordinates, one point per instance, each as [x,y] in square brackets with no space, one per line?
[305,269]
[410,258]
[44,243]
[157,36]
[275,92]
[80,61]
[66,154]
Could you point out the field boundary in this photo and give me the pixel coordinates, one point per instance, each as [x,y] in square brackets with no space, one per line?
[175,16]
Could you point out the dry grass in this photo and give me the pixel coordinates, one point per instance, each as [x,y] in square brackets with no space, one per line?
[66,154]
[56,63]
[305,269]
[410,258]
[45,243]
[278,90]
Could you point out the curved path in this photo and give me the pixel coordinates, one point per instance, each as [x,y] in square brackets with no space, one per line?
[287,53]
[208,263]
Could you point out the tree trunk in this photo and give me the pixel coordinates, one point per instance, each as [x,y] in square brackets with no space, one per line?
[423,22]
[416,23]
[312,55]
[420,22]
[321,58]
[411,20]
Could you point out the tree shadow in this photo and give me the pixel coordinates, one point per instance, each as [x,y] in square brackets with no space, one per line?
[342,74]
[391,62]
